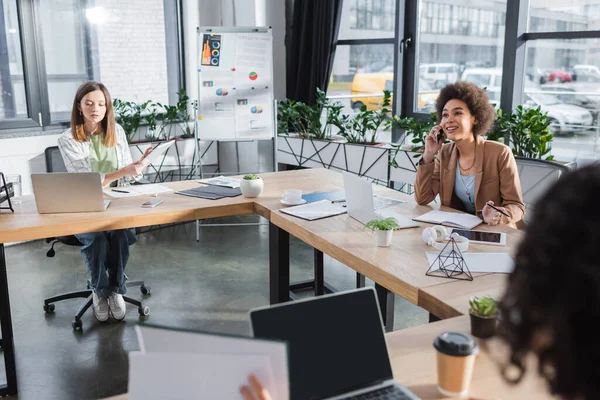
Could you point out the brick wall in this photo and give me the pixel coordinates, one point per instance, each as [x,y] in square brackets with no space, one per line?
[131,50]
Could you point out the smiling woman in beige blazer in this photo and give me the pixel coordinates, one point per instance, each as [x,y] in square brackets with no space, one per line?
[470,172]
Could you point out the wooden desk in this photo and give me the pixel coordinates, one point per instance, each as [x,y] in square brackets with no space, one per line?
[413,360]
[27,224]
[400,268]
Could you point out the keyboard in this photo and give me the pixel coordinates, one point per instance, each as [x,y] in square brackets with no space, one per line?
[386,393]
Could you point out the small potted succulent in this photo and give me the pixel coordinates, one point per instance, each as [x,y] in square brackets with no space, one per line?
[484,316]
[384,229]
[251,186]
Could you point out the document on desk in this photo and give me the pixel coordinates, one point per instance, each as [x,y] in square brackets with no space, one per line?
[457,220]
[137,190]
[195,376]
[482,262]
[156,339]
[316,210]
[222,181]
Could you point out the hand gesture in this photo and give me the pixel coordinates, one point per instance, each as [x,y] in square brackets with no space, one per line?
[491,216]
[255,391]
[147,152]
[431,144]
[136,168]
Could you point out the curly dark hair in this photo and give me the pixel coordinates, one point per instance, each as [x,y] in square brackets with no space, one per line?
[476,99]
[554,291]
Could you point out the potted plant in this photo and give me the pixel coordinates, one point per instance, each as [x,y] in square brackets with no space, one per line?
[526,130]
[484,316]
[384,229]
[252,185]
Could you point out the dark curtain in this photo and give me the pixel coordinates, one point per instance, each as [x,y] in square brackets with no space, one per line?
[312,49]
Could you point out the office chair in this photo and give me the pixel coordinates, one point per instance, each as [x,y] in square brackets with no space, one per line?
[54,163]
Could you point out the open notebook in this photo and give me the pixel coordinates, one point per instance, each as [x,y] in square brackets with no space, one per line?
[457,220]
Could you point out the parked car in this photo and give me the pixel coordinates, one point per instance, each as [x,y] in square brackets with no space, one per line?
[555,75]
[373,85]
[571,95]
[439,74]
[586,73]
[565,118]
[488,78]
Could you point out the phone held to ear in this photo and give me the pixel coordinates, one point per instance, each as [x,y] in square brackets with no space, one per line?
[152,203]
[440,136]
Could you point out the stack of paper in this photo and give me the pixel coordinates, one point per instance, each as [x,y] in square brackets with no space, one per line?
[211,192]
[136,190]
[458,220]
[175,364]
[222,181]
[316,210]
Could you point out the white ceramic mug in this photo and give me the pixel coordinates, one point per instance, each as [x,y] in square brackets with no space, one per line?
[292,196]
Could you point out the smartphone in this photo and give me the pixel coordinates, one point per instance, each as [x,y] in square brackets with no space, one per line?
[152,203]
[440,136]
[497,238]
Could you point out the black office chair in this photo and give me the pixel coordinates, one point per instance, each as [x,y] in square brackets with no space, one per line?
[54,163]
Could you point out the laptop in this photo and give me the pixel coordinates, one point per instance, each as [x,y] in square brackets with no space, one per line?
[63,192]
[336,346]
[360,205]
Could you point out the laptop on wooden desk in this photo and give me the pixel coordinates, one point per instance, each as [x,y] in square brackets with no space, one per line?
[336,346]
[64,192]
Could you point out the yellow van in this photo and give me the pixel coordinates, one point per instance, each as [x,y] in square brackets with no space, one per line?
[371,86]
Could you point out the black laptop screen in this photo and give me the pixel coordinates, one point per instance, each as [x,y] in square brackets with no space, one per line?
[336,343]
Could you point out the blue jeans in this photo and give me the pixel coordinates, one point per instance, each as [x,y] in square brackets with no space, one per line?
[105,255]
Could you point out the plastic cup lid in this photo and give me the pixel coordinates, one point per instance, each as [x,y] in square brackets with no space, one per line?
[456,344]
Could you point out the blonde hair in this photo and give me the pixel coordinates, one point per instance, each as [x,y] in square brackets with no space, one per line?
[108,123]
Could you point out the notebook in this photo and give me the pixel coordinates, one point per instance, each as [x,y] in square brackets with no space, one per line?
[457,220]
[316,210]
[211,192]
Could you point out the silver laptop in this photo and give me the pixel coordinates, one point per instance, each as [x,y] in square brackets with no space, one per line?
[336,346]
[360,205]
[63,192]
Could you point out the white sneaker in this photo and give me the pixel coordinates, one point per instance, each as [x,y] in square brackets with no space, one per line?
[117,306]
[100,307]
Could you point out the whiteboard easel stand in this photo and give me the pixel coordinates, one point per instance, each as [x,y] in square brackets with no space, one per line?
[198,149]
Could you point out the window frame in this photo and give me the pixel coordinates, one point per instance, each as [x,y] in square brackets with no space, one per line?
[34,67]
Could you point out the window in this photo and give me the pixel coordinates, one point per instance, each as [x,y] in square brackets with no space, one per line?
[458,41]
[121,44]
[563,16]
[368,18]
[13,104]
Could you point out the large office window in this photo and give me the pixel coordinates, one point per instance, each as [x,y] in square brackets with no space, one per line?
[121,44]
[457,41]
[364,60]
[561,74]
[13,104]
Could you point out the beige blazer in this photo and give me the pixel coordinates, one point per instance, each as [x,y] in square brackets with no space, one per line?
[496,179]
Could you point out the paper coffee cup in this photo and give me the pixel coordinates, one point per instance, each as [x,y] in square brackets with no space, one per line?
[456,354]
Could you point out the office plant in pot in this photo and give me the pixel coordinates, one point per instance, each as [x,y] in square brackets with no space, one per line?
[484,316]
[251,186]
[384,228]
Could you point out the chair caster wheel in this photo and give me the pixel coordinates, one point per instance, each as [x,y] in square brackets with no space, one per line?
[145,289]
[49,308]
[77,325]
[143,311]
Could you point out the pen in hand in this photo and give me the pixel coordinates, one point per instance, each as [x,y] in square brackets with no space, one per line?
[497,209]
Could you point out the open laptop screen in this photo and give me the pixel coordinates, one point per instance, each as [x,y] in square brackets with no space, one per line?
[336,342]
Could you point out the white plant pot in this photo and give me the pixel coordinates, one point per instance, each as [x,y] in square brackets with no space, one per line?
[251,188]
[384,238]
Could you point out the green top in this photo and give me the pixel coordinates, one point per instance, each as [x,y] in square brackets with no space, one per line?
[104,159]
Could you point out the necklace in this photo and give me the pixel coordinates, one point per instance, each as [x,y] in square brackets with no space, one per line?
[473,163]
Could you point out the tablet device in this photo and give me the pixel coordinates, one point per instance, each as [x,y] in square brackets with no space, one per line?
[484,237]
[158,151]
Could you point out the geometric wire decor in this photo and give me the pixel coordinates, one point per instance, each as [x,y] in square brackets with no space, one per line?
[451,265]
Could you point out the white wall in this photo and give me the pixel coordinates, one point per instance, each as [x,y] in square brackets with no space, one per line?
[25,156]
